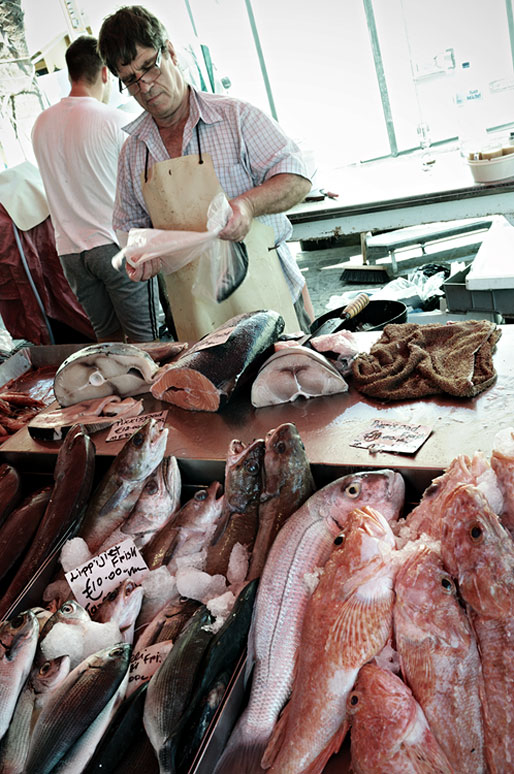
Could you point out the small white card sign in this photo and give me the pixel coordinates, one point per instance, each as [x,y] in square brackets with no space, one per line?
[398,437]
[124,428]
[93,580]
[145,662]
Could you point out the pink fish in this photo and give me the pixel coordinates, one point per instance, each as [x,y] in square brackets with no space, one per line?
[390,734]
[479,552]
[439,658]
[348,621]
[303,544]
[502,462]
[426,518]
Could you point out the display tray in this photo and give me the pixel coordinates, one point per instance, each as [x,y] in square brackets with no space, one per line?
[327,425]
[202,473]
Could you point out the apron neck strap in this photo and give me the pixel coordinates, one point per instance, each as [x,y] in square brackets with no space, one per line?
[200,161]
[198,140]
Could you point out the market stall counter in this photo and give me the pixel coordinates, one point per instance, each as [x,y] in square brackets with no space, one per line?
[329,426]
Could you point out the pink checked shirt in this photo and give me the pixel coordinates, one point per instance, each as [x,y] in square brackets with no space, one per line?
[247,148]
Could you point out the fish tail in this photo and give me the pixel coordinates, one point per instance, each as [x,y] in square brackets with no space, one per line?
[242,756]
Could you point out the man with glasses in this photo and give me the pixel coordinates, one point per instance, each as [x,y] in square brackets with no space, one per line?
[77,143]
[197,141]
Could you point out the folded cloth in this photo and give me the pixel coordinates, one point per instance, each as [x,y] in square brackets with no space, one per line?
[412,361]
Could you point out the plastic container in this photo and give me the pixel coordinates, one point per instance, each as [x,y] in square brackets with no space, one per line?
[493,169]
[460,299]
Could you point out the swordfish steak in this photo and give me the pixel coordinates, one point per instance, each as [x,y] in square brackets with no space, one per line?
[205,377]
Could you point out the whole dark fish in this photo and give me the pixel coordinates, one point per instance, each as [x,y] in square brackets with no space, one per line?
[239,519]
[169,690]
[10,490]
[42,680]
[18,640]
[168,623]
[19,528]
[304,543]
[189,531]
[120,488]
[205,377]
[74,706]
[287,484]
[73,476]
[200,721]
[124,728]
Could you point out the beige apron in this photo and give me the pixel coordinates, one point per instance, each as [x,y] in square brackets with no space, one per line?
[177,193]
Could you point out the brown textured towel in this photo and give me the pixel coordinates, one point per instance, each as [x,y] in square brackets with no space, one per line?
[412,361]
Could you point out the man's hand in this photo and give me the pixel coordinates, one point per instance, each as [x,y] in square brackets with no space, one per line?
[238,225]
[144,271]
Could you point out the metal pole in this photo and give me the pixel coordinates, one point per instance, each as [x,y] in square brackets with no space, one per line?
[379,67]
[262,63]
[510,22]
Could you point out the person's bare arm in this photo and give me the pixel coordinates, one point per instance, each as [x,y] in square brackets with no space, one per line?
[277,194]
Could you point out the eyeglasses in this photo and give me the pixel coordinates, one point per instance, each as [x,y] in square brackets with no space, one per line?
[150,74]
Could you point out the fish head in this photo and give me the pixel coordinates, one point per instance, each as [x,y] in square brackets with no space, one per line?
[382,490]
[478,552]
[284,458]
[113,660]
[142,452]
[203,508]
[122,605]
[427,601]
[70,612]
[50,674]
[383,706]
[18,635]
[159,499]
[243,473]
[366,538]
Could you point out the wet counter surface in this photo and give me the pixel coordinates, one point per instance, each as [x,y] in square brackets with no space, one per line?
[329,425]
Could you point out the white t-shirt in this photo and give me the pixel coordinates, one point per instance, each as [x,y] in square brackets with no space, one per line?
[76,143]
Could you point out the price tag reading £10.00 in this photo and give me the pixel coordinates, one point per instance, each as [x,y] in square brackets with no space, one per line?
[93,580]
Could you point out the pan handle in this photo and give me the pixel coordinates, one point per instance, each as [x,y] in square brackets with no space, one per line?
[355,307]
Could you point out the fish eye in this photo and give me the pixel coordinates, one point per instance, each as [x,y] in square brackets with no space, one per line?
[447,584]
[18,621]
[339,540]
[118,650]
[138,440]
[152,486]
[68,608]
[353,700]
[353,490]
[476,532]
[45,668]
[201,495]
[280,447]
[252,467]
[129,588]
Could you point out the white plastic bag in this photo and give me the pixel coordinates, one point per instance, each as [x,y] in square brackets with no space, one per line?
[223,263]
[174,248]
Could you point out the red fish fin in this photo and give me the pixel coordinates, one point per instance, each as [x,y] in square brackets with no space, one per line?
[276,740]
[426,757]
[318,764]
[365,624]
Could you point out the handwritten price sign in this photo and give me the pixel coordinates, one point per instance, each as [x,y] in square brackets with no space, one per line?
[397,437]
[145,663]
[93,580]
[124,428]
